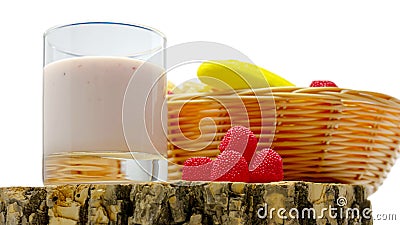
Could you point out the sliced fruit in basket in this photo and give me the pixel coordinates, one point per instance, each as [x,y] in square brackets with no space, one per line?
[228,74]
[170,87]
[191,86]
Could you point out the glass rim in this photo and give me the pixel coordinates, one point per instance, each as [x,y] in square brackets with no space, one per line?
[139,26]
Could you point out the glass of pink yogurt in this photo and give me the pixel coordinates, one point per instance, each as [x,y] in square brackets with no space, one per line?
[90,133]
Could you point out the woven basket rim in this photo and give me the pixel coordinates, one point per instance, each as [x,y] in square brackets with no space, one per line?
[328,93]
[299,90]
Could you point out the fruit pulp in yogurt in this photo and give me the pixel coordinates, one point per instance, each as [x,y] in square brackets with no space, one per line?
[84,136]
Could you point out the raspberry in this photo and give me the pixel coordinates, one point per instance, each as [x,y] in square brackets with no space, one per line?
[322,83]
[197,169]
[230,166]
[240,139]
[197,161]
[267,166]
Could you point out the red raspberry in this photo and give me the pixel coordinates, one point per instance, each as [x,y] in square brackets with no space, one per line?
[197,169]
[197,161]
[230,166]
[267,166]
[240,139]
[322,83]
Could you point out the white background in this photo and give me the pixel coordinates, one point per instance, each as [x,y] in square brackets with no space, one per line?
[354,43]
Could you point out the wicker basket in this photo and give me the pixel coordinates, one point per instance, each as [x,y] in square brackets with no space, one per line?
[323,134]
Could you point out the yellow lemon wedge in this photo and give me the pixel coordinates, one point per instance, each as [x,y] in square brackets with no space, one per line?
[228,74]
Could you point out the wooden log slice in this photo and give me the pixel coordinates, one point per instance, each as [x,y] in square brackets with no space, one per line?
[180,202]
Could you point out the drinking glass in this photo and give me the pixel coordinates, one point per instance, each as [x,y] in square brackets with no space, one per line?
[87,69]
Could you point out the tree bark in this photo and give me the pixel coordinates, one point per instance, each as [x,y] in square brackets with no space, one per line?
[187,203]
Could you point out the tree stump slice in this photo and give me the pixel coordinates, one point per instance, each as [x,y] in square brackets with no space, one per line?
[188,203]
